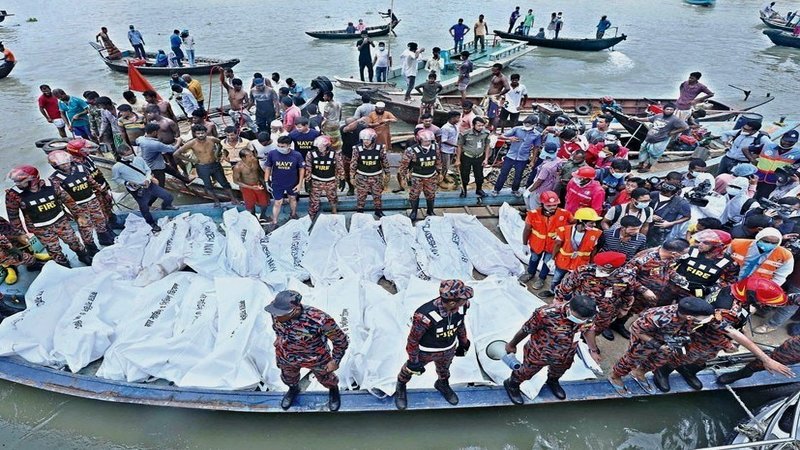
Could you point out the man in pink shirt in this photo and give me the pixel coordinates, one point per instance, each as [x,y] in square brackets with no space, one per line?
[290,114]
[689,91]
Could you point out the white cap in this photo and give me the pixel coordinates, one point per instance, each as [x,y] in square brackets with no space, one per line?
[276,124]
[380,105]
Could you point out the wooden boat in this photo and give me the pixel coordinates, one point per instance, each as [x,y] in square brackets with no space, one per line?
[580,45]
[3,15]
[6,69]
[501,51]
[376,31]
[203,65]
[700,2]
[777,24]
[782,38]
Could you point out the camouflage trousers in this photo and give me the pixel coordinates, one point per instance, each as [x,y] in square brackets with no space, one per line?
[607,312]
[106,203]
[786,353]
[290,373]
[427,186]
[50,235]
[318,189]
[442,360]
[369,185]
[641,356]
[532,364]
[90,217]
[10,256]
[706,343]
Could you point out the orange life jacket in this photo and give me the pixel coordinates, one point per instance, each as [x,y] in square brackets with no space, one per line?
[778,257]
[569,258]
[543,228]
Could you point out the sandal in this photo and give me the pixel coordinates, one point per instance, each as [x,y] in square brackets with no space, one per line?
[621,389]
[645,385]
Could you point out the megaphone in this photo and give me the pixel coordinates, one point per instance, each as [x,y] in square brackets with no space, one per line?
[496,350]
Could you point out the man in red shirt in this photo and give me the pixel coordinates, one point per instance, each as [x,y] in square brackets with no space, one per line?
[48,106]
[583,191]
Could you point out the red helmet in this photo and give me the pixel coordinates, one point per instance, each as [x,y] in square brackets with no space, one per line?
[59,157]
[322,142]
[586,172]
[608,99]
[753,290]
[22,174]
[76,147]
[367,134]
[549,198]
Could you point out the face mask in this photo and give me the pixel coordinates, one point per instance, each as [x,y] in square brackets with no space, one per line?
[527,127]
[582,181]
[746,133]
[576,320]
[602,155]
[559,128]
[766,246]
[284,151]
[642,205]
[600,273]
[690,174]
[618,175]
[128,157]
[733,192]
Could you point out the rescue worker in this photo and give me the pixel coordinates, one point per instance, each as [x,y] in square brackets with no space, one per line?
[41,206]
[583,191]
[574,245]
[424,161]
[539,235]
[301,341]
[787,353]
[610,286]
[84,206]
[438,333]
[731,313]
[325,174]
[553,332]
[11,255]
[77,149]
[370,164]
[655,271]
[705,267]
[763,256]
[653,339]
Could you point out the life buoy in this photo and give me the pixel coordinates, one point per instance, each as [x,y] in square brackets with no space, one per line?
[41,142]
[583,110]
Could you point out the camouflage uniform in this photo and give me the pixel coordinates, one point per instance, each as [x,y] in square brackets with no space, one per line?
[787,353]
[657,323]
[318,175]
[48,234]
[12,256]
[83,202]
[102,188]
[428,184]
[369,184]
[613,294]
[655,274]
[302,342]
[553,342]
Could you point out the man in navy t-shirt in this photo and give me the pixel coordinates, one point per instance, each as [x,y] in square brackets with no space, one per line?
[303,136]
[458,31]
[287,168]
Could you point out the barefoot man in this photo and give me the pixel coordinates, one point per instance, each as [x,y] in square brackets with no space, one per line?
[207,153]
[250,178]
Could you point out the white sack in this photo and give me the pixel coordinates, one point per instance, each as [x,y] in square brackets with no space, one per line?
[511,227]
[283,252]
[320,258]
[242,252]
[400,261]
[361,253]
[125,256]
[488,254]
[207,248]
[440,254]
[166,252]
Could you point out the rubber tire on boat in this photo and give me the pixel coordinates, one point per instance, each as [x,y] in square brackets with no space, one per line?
[583,109]
[49,145]
[41,142]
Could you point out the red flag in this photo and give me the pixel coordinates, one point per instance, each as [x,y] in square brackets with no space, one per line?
[137,82]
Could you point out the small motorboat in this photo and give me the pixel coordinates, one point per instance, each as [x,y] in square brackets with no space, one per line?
[579,45]
[700,2]
[376,31]
[783,39]
[778,23]
[6,68]
[203,65]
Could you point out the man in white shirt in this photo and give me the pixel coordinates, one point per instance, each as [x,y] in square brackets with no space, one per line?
[409,62]
[449,139]
[509,113]
[382,62]
[186,99]
[133,172]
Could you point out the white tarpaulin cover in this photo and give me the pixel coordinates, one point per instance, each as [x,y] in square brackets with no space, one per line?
[511,227]
[209,329]
[400,260]
[488,254]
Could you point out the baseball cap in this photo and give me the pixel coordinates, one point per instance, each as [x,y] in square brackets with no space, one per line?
[790,136]
[284,303]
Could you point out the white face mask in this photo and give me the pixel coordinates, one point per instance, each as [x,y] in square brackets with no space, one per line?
[284,150]
[527,127]
[732,191]
[576,320]
[600,273]
[559,128]
[128,157]
[602,155]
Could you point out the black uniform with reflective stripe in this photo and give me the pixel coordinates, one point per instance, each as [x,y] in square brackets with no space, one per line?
[94,171]
[369,160]
[76,184]
[442,331]
[425,163]
[323,166]
[702,273]
[42,207]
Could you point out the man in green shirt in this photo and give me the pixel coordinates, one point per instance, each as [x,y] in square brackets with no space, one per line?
[472,153]
[527,23]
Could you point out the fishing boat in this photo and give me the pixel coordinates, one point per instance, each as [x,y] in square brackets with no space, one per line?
[6,68]
[376,31]
[700,2]
[203,65]
[777,24]
[782,38]
[500,51]
[580,45]
[4,14]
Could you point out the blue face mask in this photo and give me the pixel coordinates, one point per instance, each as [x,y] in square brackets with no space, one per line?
[618,175]
[576,320]
[642,205]
[766,246]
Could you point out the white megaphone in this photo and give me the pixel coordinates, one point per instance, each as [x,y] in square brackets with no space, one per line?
[496,350]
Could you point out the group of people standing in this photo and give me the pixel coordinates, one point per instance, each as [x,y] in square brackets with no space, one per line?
[178,42]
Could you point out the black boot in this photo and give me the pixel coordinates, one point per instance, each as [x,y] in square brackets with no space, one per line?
[619,326]
[512,389]
[400,396]
[447,392]
[554,386]
[92,249]
[289,396]
[379,213]
[84,257]
[730,377]
[689,373]
[35,267]
[661,377]
[608,334]
[429,204]
[463,192]
[106,238]
[334,400]
[114,223]
[414,208]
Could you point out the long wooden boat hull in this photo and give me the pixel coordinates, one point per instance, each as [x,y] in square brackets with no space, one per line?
[782,38]
[377,31]
[6,69]
[701,2]
[202,65]
[777,25]
[580,45]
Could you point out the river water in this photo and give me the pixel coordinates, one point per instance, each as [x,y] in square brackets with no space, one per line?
[668,39]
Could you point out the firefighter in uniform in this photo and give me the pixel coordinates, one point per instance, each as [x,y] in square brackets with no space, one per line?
[787,353]
[438,333]
[424,161]
[84,206]
[610,286]
[574,245]
[370,165]
[77,148]
[325,174]
[554,331]
[731,313]
[301,341]
[705,267]
[41,206]
[652,338]
[12,255]
[539,235]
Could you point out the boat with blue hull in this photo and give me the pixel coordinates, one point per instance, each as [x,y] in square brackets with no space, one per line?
[782,38]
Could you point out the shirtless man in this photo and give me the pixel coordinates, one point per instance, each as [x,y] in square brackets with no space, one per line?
[498,86]
[206,152]
[250,178]
[240,101]
[199,118]
[168,133]
[151,98]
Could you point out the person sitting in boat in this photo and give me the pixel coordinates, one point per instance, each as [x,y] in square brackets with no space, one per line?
[768,12]
[360,28]
[608,103]
[15,250]
[6,56]
[389,14]
[172,60]
[111,49]
[540,34]
[350,28]
[161,59]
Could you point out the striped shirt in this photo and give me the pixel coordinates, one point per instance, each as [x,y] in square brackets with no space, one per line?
[611,242]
